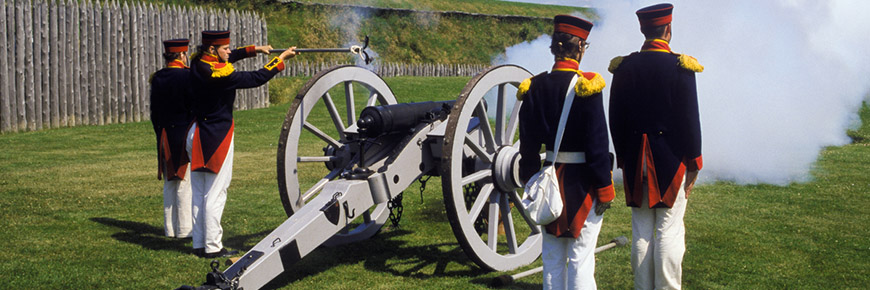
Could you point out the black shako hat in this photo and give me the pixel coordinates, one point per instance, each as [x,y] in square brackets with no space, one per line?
[215,37]
[656,15]
[175,45]
[572,25]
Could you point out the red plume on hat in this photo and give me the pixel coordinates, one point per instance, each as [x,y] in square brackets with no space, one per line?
[656,15]
[175,45]
[215,37]
[572,25]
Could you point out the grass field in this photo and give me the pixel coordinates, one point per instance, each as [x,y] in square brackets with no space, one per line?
[82,210]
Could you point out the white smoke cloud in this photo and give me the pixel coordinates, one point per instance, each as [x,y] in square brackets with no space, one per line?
[348,24]
[783,79]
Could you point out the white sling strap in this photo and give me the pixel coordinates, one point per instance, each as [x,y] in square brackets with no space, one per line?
[566,108]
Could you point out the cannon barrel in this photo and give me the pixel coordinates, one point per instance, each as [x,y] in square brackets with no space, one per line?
[388,119]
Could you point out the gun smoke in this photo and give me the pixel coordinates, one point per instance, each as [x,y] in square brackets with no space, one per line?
[783,79]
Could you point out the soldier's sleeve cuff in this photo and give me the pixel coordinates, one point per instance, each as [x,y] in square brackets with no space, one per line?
[275,64]
[605,194]
[695,164]
[251,50]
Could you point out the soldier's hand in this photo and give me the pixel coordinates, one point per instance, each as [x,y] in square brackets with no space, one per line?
[601,207]
[289,53]
[264,49]
[691,177]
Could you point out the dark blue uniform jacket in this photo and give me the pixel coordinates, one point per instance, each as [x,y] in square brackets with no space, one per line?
[585,131]
[654,121]
[214,85]
[170,117]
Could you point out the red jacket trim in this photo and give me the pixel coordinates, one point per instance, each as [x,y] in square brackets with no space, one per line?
[251,50]
[695,164]
[160,158]
[659,45]
[605,194]
[561,227]
[655,197]
[176,64]
[275,63]
[165,160]
[216,161]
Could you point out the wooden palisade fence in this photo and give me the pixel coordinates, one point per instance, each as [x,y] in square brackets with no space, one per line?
[65,63]
[69,62]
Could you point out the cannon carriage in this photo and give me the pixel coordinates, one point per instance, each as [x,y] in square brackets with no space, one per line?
[347,148]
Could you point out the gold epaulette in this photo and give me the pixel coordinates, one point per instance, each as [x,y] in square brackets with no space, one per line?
[614,63]
[523,88]
[586,86]
[690,63]
[221,69]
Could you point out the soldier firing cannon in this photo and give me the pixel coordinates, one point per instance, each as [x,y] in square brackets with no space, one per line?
[361,164]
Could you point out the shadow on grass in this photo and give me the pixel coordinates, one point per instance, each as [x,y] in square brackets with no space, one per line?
[243,243]
[384,253]
[489,282]
[151,237]
[145,235]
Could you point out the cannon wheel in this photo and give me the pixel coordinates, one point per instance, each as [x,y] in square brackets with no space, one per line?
[311,149]
[479,171]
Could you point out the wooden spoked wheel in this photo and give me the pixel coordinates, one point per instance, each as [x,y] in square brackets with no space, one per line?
[312,148]
[479,171]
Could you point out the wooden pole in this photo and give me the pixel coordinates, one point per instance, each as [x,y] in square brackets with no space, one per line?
[45,61]
[135,40]
[53,65]
[35,67]
[126,104]
[30,98]
[66,90]
[5,114]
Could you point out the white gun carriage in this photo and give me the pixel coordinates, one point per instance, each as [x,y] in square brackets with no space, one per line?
[363,160]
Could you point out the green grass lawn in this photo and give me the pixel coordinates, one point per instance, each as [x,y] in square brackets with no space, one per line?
[82,210]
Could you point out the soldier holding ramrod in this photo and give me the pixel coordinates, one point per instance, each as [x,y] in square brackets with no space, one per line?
[210,138]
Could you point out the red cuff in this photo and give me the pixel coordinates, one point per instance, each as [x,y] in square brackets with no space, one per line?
[251,50]
[695,164]
[605,194]
[275,63]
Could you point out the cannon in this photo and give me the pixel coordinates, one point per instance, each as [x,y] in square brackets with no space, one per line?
[339,167]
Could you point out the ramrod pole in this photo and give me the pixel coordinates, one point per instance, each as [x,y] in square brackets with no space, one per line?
[303,50]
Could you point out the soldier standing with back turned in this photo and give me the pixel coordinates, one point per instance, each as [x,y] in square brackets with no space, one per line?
[170,117]
[583,164]
[656,131]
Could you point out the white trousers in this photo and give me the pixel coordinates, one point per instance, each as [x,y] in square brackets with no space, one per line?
[658,243]
[570,263]
[177,219]
[209,197]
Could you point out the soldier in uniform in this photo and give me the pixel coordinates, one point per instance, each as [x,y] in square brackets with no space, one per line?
[656,131]
[170,117]
[583,165]
[210,138]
